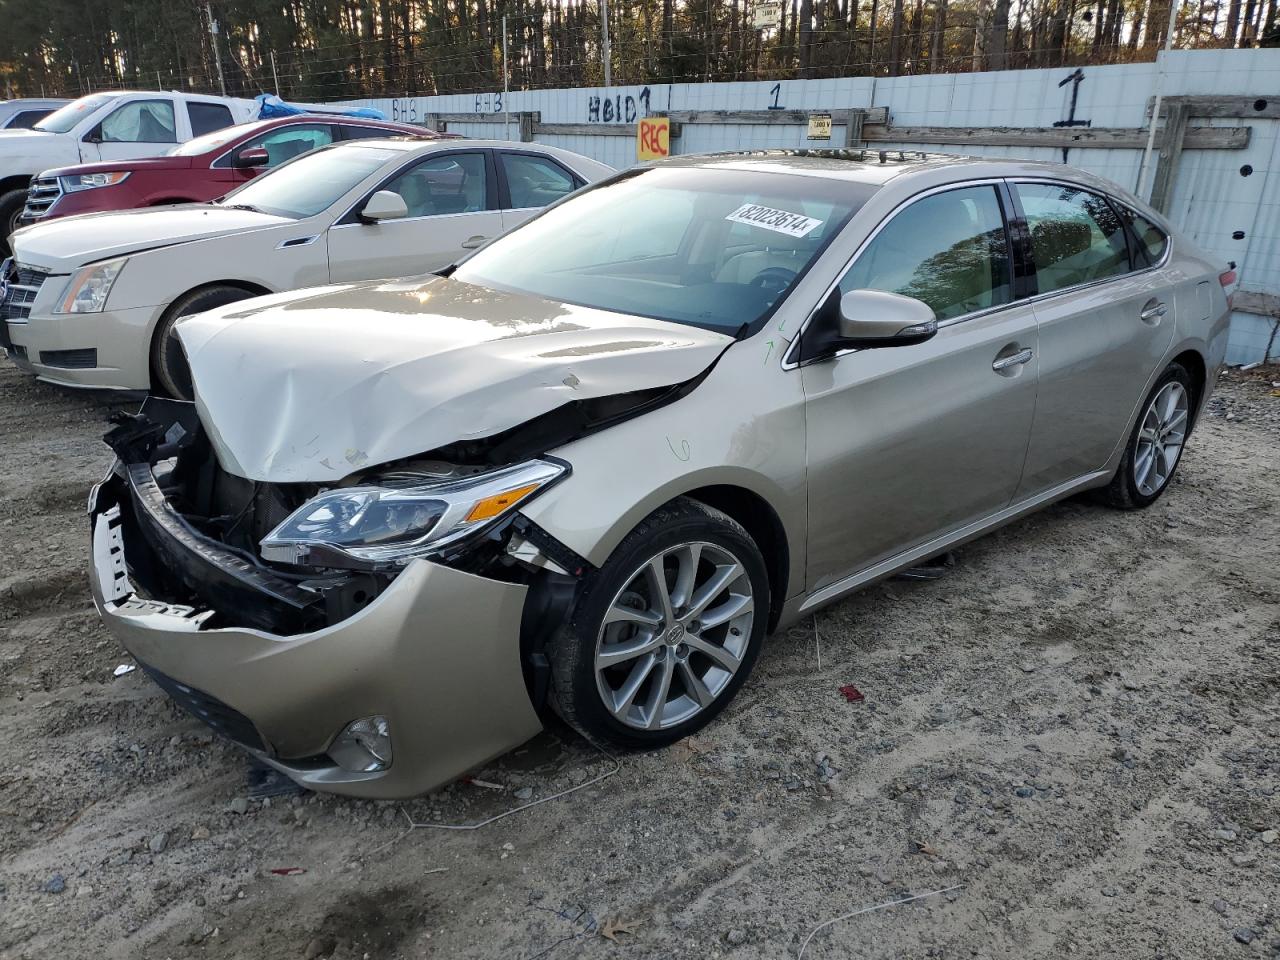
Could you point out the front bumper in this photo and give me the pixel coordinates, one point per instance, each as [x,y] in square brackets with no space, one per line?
[437,653]
[108,350]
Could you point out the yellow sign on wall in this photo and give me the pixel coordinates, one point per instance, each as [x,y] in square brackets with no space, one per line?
[819,126]
[653,138]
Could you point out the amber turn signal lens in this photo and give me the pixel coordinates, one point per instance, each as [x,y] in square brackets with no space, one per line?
[490,507]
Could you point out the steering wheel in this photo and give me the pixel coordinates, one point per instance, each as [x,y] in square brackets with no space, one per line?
[773,279]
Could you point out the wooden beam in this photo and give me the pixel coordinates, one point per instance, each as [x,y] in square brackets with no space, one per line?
[586,129]
[1106,138]
[1262,304]
[1263,106]
[779,117]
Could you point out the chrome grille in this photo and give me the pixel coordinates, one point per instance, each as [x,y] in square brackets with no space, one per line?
[20,284]
[42,194]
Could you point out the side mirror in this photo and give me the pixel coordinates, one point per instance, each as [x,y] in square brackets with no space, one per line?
[874,318]
[253,157]
[94,135]
[384,205]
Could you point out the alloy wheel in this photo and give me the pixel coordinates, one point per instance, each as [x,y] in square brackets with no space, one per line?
[1160,438]
[674,636]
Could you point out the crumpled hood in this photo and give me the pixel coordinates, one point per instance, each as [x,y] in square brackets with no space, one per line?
[313,385]
[68,243]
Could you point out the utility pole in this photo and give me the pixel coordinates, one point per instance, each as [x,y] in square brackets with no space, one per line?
[217,54]
[604,43]
[506,84]
[275,76]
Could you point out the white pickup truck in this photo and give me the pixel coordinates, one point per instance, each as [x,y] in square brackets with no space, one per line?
[112,125]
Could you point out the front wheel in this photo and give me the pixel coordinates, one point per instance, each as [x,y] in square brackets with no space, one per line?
[12,203]
[1155,446]
[170,374]
[667,631]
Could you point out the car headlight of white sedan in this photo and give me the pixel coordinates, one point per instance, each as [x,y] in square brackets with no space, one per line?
[392,522]
[89,287]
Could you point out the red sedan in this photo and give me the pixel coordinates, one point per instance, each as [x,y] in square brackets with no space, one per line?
[199,170]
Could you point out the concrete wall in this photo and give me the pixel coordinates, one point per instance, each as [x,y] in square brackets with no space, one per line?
[1212,200]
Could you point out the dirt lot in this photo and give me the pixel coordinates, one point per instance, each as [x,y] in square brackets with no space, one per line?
[1078,729]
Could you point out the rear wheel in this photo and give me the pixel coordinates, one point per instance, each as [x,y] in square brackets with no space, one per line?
[666,633]
[12,203]
[169,371]
[1155,446]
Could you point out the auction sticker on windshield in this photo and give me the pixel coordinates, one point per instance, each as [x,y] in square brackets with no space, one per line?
[780,221]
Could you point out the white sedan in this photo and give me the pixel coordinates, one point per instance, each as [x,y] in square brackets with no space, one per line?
[91,301]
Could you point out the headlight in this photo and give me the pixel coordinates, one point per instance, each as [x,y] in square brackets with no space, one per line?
[91,181]
[88,289]
[377,525]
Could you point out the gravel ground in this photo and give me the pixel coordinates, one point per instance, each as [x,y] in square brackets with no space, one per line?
[1077,730]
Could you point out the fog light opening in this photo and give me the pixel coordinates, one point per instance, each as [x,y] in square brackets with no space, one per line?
[364,746]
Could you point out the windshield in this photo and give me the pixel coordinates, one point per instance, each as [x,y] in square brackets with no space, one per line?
[311,183]
[712,247]
[211,141]
[62,120]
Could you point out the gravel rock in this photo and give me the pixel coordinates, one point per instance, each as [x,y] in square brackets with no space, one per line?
[1243,935]
[737,937]
[1220,906]
[1024,792]
[319,947]
[1268,836]
[239,805]
[523,793]
[200,833]
[55,884]
[158,843]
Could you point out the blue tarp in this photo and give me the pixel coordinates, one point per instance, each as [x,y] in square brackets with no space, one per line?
[271,107]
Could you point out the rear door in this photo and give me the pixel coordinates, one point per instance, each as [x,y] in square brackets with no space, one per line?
[452,201]
[1105,320]
[530,181]
[909,443]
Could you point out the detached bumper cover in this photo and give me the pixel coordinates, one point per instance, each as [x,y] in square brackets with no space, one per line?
[437,654]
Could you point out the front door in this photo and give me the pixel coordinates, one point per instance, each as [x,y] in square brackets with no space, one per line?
[908,443]
[451,210]
[139,128]
[1103,329]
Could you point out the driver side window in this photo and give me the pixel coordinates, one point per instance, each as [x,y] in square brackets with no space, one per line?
[948,250]
[455,183]
[141,121]
[291,141]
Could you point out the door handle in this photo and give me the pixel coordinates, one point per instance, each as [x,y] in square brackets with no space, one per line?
[1154,310]
[472,242]
[1004,363]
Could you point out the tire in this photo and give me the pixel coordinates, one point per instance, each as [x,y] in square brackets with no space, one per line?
[1142,478]
[11,204]
[685,535]
[170,374]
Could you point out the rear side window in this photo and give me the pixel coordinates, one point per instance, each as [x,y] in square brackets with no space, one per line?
[948,249]
[208,117]
[1151,240]
[350,132]
[534,181]
[1076,237]
[26,119]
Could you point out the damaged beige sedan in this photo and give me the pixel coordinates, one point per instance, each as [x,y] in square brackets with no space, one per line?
[592,466]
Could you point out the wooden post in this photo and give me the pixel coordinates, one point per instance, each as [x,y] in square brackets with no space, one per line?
[853,128]
[1175,131]
[527,120]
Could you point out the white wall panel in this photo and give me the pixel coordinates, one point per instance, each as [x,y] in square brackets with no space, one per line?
[1210,201]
